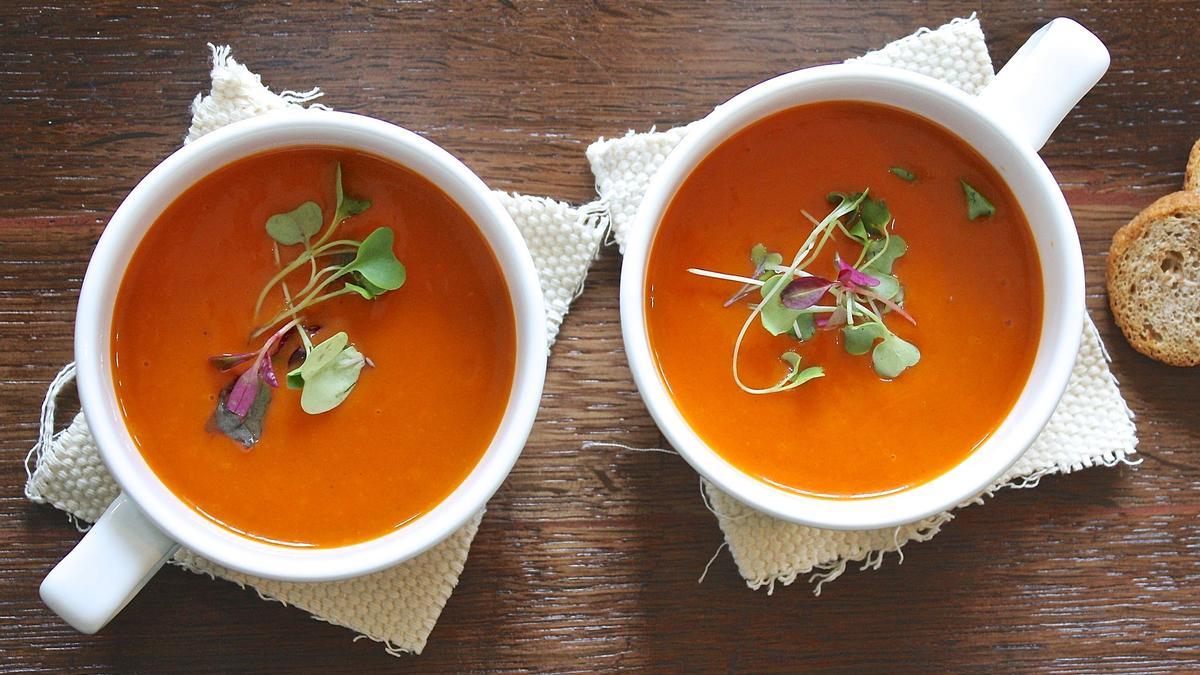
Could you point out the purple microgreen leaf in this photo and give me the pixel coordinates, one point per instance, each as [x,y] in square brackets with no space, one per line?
[224,362]
[243,393]
[776,318]
[851,278]
[296,358]
[266,370]
[247,429]
[804,292]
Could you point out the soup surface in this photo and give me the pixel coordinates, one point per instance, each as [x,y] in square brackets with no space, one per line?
[973,287]
[416,424]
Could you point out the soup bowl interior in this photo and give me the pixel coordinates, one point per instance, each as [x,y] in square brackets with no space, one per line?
[140,210]
[1059,258]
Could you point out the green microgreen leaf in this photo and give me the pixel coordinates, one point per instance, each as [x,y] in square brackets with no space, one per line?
[376,262]
[758,254]
[328,374]
[859,339]
[902,173]
[294,379]
[889,286]
[346,206]
[329,386]
[869,218]
[761,257]
[804,327]
[321,355]
[796,376]
[881,254]
[296,225]
[893,355]
[978,206]
[875,215]
[839,197]
[366,289]
[858,231]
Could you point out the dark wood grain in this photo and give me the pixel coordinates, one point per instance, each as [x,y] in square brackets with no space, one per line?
[589,559]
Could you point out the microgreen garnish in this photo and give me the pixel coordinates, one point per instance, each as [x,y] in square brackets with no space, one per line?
[902,173]
[795,376]
[893,355]
[325,372]
[869,218]
[296,226]
[978,206]
[797,302]
[246,429]
[764,261]
[804,292]
[328,374]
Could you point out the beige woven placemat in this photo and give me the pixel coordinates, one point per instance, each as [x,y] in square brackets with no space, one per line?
[399,606]
[1091,427]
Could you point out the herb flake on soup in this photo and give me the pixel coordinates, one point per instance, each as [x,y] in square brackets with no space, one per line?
[285,374]
[815,375]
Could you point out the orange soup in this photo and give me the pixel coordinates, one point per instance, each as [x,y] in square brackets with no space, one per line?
[434,357]
[973,288]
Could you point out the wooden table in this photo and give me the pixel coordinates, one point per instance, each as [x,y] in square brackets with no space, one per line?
[589,559]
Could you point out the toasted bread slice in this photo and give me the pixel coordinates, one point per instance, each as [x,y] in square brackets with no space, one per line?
[1154,276]
[1191,177]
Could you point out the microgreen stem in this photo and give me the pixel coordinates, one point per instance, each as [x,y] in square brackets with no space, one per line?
[303,305]
[271,341]
[294,265]
[887,238]
[872,313]
[888,303]
[749,281]
[287,301]
[315,279]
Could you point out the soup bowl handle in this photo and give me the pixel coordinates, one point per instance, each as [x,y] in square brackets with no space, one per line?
[112,562]
[1044,80]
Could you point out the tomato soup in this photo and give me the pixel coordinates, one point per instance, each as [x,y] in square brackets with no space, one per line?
[440,350]
[972,286]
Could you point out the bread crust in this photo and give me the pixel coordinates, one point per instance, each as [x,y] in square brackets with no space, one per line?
[1187,204]
[1191,176]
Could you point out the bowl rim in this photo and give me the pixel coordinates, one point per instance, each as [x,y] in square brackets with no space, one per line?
[1053,362]
[136,214]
